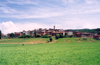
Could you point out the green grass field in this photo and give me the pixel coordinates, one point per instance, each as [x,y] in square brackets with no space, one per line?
[64,51]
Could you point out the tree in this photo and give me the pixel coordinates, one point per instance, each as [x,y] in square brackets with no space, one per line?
[45,36]
[61,36]
[0,34]
[50,39]
[38,35]
[12,35]
[34,33]
[57,36]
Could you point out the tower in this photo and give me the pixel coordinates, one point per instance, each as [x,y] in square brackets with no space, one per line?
[54,27]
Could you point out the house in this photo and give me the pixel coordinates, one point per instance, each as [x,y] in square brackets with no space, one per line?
[40,33]
[55,33]
[8,34]
[27,32]
[32,33]
[77,34]
[47,33]
[69,32]
[16,34]
[96,37]
[3,35]
[88,35]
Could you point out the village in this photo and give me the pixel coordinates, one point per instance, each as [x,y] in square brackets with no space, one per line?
[53,32]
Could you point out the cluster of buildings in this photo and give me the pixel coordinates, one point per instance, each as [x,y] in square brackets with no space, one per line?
[53,32]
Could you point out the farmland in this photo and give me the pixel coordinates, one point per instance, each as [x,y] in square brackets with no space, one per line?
[65,51]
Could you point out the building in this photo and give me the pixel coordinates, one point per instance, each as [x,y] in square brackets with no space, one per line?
[55,33]
[68,32]
[16,34]
[77,34]
[96,37]
[88,35]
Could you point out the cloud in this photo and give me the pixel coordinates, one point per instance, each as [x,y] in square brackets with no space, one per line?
[7,10]
[92,1]
[9,26]
[68,1]
[22,2]
[43,10]
[87,25]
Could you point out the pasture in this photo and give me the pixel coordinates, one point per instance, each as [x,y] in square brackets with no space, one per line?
[64,51]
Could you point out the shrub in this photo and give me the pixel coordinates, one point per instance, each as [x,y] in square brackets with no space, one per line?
[64,36]
[50,39]
[57,36]
[45,36]
[28,36]
[25,36]
[61,36]
[49,36]
[38,35]
[70,36]
[22,44]
[12,35]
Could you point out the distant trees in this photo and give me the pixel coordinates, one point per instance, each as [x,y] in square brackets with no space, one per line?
[0,34]
[57,36]
[88,30]
[61,36]
[38,35]
[25,36]
[12,35]
[35,33]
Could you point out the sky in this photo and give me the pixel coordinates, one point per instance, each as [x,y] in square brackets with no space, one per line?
[19,15]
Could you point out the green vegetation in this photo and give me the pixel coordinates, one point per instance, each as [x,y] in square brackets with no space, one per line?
[64,51]
[46,36]
[50,39]
[57,36]
[35,33]
[38,35]
[25,36]
[88,30]
[12,35]
[0,34]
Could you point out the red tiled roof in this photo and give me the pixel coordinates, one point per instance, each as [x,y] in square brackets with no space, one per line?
[97,35]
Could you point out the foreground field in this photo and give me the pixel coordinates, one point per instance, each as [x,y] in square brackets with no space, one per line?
[73,53]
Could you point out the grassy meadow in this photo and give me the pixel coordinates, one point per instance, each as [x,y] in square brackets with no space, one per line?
[38,51]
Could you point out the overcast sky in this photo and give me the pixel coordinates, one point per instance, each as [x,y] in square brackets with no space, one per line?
[19,15]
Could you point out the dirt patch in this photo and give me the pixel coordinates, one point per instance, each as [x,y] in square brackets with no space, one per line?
[68,41]
[79,41]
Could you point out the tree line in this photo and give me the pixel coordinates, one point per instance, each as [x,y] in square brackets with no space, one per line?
[87,30]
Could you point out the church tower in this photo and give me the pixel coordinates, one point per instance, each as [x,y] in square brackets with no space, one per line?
[54,27]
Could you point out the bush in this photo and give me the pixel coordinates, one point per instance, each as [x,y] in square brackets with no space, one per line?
[57,36]
[45,36]
[64,36]
[25,36]
[28,36]
[50,39]
[38,35]
[61,36]
[22,44]
[70,36]
[49,36]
